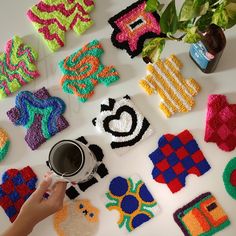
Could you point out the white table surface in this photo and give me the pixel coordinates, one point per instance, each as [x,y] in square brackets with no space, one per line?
[13,20]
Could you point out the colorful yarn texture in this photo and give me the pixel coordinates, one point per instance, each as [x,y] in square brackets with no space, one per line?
[165,79]
[4,144]
[16,187]
[133,26]
[17,66]
[74,190]
[221,122]
[40,114]
[202,216]
[83,70]
[77,218]
[229,178]
[53,18]
[131,198]
[175,158]
[123,122]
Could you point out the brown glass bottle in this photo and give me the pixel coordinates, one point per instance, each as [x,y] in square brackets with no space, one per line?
[207,52]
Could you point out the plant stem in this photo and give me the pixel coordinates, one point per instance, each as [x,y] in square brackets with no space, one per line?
[218,2]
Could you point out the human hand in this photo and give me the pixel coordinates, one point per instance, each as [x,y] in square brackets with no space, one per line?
[37,208]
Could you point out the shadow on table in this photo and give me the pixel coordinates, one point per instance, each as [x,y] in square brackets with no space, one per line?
[227,61]
[46,60]
[100,15]
[153,115]
[112,57]
[231,97]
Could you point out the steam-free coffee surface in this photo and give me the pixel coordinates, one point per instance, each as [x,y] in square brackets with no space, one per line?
[67,158]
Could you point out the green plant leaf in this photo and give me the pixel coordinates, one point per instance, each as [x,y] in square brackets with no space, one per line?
[231,23]
[198,3]
[231,1]
[184,25]
[153,49]
[220,17]
[169,19]
[152,5]
[187,11]
[203,9]
[204,21]
[231,11]
[192,9]
[192,36]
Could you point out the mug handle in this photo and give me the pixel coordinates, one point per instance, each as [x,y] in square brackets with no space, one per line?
[55,179]
[49,165]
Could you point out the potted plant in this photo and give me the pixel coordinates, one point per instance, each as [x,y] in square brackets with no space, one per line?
[200,23]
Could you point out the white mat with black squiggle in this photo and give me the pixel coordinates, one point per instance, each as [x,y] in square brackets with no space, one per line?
[122,120]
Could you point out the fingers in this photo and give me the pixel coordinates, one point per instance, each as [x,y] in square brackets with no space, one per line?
[58,193]
[42,189]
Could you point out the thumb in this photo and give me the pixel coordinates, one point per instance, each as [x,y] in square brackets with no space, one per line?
[42,188]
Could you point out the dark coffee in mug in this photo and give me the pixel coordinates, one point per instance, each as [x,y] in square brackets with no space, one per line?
[68,158]
[72,160]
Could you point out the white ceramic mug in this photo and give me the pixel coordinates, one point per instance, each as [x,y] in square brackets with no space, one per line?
[71,161]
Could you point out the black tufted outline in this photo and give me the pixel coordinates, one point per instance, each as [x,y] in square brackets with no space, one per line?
[102,170]
[94,121]
[110,106]
[87,184]
[98,153]
[119,111]
[133,141]
[82,140]
[141,40]
[72,193]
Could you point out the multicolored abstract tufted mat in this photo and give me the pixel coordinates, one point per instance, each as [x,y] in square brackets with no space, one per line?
[133,26]
[83,70]
[40,114]
[4,144]
[17,66]
[131,198]
[202,216]
[229,178]
[53,18]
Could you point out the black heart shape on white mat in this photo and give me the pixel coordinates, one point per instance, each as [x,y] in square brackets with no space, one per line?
[117,116]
